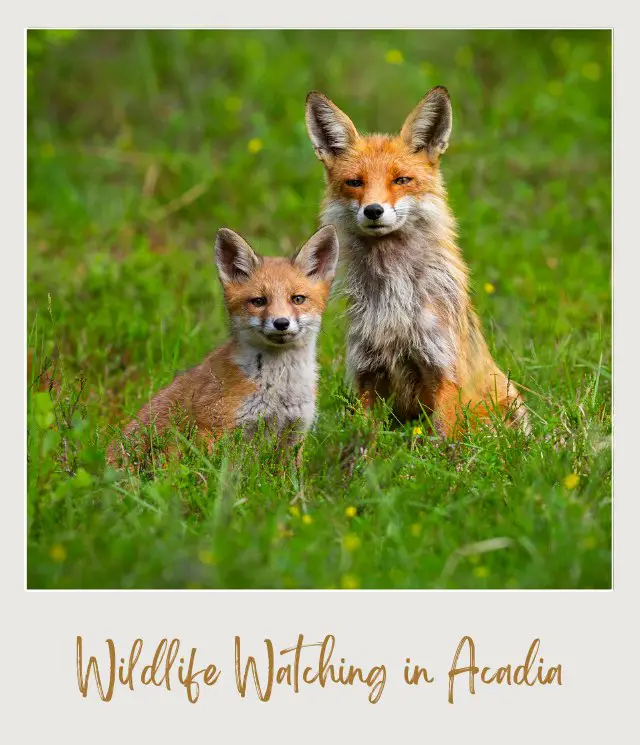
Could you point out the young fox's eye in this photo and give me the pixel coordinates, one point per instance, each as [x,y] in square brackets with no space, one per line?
[354,182]
[298,299]
[258,302]
[402,180]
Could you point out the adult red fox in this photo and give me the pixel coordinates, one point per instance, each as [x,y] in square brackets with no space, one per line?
[413,335]
[267,371]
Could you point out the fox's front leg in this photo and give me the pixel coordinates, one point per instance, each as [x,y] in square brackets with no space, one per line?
[372,386]
[298,463]
[446,416]
[298,470]
[290,447]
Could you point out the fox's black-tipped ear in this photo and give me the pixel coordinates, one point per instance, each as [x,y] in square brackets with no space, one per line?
[331,131]
[428,126]
[318,258]
[235,259]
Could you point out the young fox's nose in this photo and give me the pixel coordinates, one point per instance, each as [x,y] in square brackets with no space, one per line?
[281,324]
[373,211]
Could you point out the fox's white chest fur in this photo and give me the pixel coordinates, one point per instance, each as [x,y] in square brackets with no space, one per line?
[391,287]
[284,397]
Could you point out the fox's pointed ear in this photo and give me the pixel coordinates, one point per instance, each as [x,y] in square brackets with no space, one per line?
[318,258]
[331,131]
[235,259]
[428,126]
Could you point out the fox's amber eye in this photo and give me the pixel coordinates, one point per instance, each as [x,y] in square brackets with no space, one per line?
[402,180]
[258,302]
[354,182]
[298,299]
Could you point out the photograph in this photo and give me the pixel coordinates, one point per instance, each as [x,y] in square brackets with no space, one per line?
[319,309]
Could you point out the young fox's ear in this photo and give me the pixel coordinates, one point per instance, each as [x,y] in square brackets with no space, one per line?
[318,257]
[331,131]
[428,126]
[234,257]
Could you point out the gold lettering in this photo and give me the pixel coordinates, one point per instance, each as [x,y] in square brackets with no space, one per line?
[241,681]
[83,683]
[413,678]
[471,667]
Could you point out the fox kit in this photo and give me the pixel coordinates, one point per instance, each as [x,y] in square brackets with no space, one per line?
[413,335]
[267,370]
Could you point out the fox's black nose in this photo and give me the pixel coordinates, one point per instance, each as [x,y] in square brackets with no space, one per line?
[373,211]
[281,324]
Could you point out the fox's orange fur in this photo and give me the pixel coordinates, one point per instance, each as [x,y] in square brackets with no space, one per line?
[413,334]
[263,372]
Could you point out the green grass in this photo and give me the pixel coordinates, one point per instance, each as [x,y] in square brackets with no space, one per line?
[138,151]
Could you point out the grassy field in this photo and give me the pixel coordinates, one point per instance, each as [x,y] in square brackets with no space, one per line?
[142,144]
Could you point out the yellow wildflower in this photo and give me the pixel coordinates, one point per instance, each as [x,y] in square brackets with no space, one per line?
[592,71]
[58,553]
[233,104]
[351,542]
[394,57]
[350,582]
[255,145]
[571,481]
[205,556]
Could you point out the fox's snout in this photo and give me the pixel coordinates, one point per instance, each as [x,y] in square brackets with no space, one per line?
[373,211]
[377,219]
[277,322]
[281,324]
[287,330]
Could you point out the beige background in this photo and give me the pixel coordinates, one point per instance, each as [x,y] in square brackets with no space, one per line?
[589,633]
[583,631]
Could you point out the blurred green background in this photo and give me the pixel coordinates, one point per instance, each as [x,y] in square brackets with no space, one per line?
[142,144]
